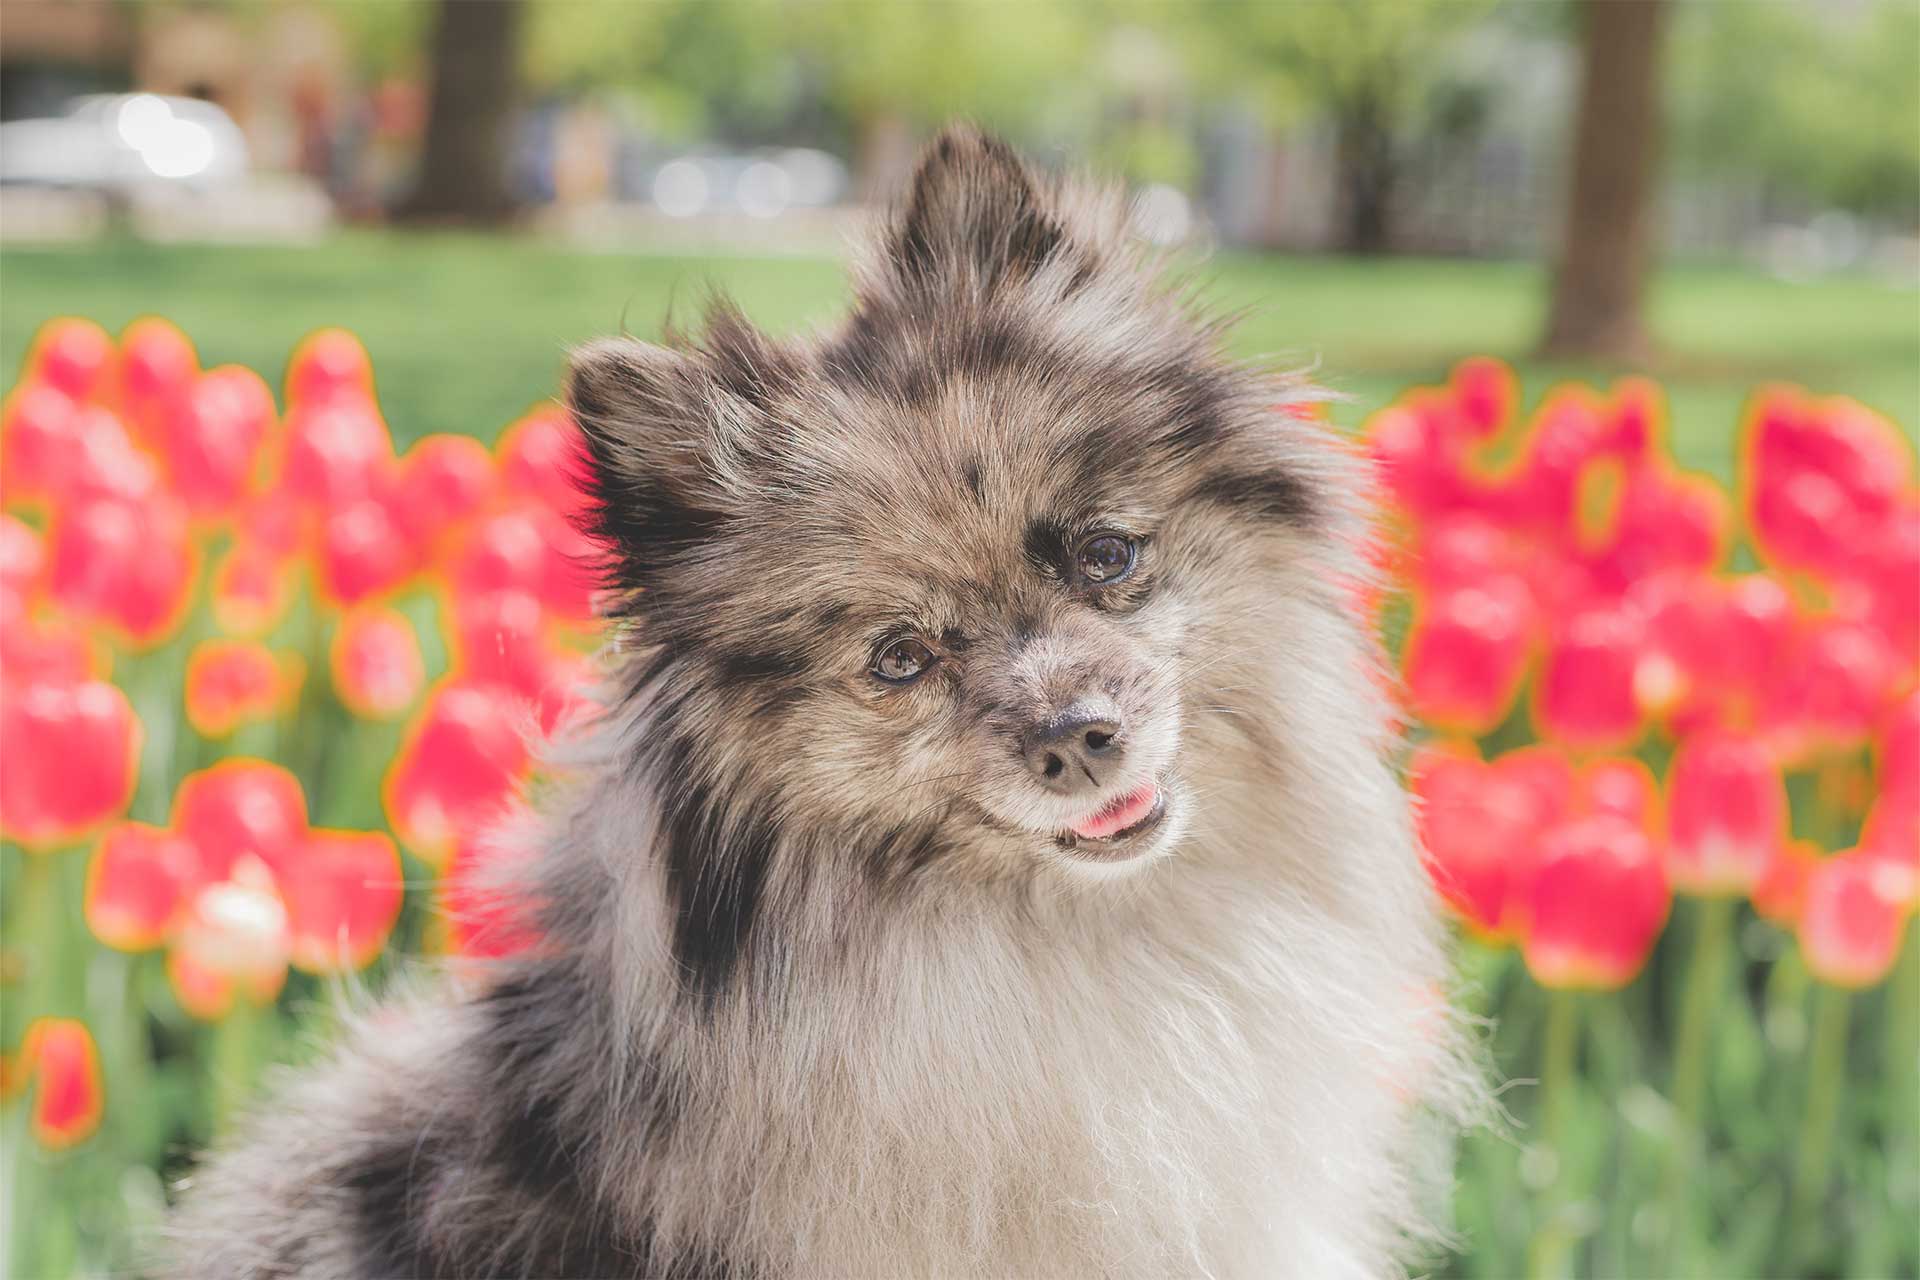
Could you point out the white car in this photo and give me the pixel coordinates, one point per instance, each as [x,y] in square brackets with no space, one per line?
[123,142]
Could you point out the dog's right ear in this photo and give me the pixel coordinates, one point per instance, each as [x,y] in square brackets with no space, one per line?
[651,417]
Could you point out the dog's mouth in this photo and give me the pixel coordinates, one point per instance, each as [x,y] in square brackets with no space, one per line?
[1117,826]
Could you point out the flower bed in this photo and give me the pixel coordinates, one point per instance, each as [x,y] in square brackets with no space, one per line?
[263,679]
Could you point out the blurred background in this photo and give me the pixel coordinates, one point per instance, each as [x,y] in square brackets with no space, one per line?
[1715,194]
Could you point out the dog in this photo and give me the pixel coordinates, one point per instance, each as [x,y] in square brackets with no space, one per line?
[988,858]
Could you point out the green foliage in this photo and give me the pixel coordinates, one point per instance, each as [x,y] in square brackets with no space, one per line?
[1821,101]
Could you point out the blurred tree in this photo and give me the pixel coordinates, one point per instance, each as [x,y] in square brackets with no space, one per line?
[475,55]
[1366,66]
[1819,104]
[1598,290]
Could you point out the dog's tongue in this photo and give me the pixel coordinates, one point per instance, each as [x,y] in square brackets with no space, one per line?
[1118,815]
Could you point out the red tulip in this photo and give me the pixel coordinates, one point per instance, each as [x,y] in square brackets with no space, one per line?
[1585,696]
[462,760]
[241,808]
[1781,891]
[1840,679]
[236,682]
[36,429]
[1727,813]
[75,357]
[1480,825]
[329,364]
[1852,921]
[233,941]
[442,481]
[1467,652]
[343,894]
[1485,392]
[1462,550]
[544,456]
[364,551]
[337,452]
[1419,466]
[68,756]
[137,885]
[377,668]
[1596,905]
[124,563]
[252,588]
[50,651]
[98,459]
[214,436]
[1623,787]
[488,906]
[505,551]
[60,1054]
[157,366]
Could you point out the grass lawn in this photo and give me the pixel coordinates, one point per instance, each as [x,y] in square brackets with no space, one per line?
[465,330]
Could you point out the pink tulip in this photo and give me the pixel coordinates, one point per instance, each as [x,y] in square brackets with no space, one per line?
[75,357]
[329,364]
[1585,696]
[460,765]
[68,757]
[343,893]
[1596,904]
[241,808]
[377,668]
[236,682]
[1467,652]
[1852,921]
[1727,813]
[157,366]
[137,885]
[1480,826]
[125,563]
[544,456]
[442,481]
[60,1055]
[214,436]
[363,552]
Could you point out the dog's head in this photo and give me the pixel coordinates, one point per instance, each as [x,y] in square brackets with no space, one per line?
[948,588]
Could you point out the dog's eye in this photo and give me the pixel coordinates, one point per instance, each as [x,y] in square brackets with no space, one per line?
[902,661]
[1105,558]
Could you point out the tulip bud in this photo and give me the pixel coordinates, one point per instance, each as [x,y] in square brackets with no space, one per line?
[442,481]
[60,1054]
[460,764]
[377,668]
[241,808]
[1596,905]
[1727,813]
[329,364]
[343,894]
[1467,653]
[68,757]
[236,682]
[74,357]
[137,885]
[1852,921]
[1585,696]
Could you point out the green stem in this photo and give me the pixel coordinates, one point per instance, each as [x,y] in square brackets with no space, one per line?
[236,1060]
[1706,978]
[1826,1075]
[1546,1255]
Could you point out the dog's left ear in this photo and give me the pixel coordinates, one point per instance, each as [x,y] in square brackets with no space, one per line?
[974,218]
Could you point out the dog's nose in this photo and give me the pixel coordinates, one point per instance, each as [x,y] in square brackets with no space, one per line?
[1077,751]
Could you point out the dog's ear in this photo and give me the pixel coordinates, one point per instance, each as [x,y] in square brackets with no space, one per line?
[670,434]
[974,217]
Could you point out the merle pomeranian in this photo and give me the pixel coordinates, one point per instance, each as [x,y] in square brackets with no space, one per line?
[990,858]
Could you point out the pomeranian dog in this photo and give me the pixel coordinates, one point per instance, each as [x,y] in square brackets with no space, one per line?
[989,859]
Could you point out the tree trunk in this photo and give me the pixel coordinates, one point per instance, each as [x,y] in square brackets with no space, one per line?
[1600,287]
[463,165]
[1366,162]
